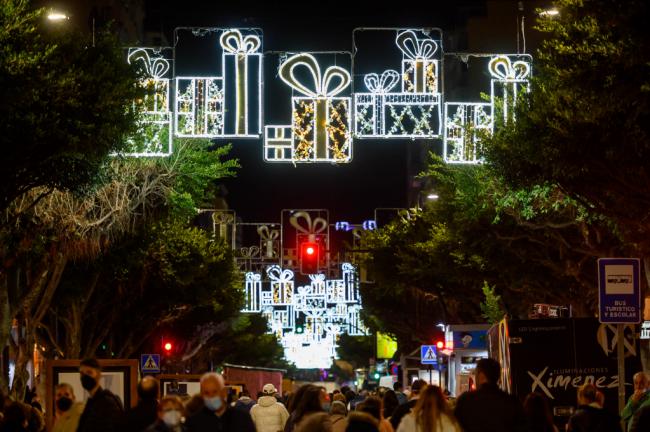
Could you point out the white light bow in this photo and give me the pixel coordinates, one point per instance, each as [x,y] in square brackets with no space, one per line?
[234,42]
[155,68]
[322,83]
[381,84]
[413,47]
[309,226]
[502,68]
[276,274]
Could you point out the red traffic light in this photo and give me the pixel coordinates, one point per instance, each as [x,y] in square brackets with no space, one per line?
[309,257]
[168,346]
[440,345]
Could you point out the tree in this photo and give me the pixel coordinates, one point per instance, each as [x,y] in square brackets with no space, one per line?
[585,126]
[491,307]
[66,104]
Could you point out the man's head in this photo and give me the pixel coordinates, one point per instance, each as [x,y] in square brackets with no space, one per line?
[417,387]
[269,390]
[148,389]
[587,394]
[214,392]
[63,397]
[641,381]
[90,373]
[488,371]
[397,386]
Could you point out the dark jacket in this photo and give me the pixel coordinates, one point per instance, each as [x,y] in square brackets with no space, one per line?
[489,409]
[401,411]
[641,420]
[232,420]
[159,426]
[140,417]
[591,419]
[103,413]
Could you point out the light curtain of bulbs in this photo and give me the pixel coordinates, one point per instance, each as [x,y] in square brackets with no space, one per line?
[324,115]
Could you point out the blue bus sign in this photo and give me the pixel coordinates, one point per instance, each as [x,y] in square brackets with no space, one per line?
[619,290]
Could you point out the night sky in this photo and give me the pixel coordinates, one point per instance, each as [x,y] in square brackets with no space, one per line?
[381,172]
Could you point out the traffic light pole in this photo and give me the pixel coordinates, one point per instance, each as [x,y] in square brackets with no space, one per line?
[430,375]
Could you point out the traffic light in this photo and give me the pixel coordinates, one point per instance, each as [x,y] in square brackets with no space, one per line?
[440,345]
[168,347]
[309,257]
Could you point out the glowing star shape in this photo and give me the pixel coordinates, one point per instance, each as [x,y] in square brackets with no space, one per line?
[509,78]
[154,136]
[308,320]
[466,124]
[242,69]
[320,130]
[414,112]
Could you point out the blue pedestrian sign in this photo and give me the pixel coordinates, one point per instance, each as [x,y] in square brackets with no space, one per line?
[619,290]
[428,355]
[150,363]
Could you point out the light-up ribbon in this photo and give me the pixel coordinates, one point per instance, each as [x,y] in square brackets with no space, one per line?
[379,85]
[253,280]
[156,68]
[420,51]
[233,42]
[504,70]
[249,252]
[309,226]
[268,236]
[282,282]
[322,92]
[222,219]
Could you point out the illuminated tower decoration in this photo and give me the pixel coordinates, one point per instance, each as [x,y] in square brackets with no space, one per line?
[227,105]
[467,123]
[309,320]
[154,135]
[413,112]
[320,129]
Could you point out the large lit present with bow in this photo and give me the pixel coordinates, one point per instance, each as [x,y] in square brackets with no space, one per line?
[154,135]
[415,111]
[242,78]
[320,129]
[509,78]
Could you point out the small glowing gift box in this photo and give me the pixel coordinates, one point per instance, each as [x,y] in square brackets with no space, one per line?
[419,66]
[466,125]
[154,137]
[199,106]
[320,129]
[509,79]
[242,79]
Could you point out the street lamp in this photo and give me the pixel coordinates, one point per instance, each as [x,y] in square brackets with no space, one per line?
[57,16]
[550,12]
[432,196]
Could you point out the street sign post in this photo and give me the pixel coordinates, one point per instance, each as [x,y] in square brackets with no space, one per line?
[150,363]
[619,302]
[428,355]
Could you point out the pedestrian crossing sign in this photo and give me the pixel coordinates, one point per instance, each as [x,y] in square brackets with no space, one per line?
[428,354]
[150,363]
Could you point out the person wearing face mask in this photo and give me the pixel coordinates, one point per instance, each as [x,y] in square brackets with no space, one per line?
[216,415]
[170,416]
[103,411]
[67,411]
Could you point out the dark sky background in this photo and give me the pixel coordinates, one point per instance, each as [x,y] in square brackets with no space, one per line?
[381,172]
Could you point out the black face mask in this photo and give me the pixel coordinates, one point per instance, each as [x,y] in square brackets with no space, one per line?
[88,382]
[64,403]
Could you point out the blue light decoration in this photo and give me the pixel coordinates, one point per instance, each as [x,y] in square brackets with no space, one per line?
[413,112]
[309,319]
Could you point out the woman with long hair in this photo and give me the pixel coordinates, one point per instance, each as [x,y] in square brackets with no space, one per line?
[538,413]
[390,402]
[431,414]
[309,411]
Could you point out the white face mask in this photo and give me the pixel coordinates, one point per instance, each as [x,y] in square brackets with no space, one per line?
[172,418]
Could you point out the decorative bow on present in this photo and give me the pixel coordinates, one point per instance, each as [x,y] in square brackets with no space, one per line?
[309,226]
[503,68]
[268,236]
[322,83]
[415,48]
[253,277]
[381,84]
[276,274]
[233,42]
[223,219]
[156,68]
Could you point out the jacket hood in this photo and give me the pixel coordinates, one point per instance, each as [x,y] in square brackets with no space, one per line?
[266,401]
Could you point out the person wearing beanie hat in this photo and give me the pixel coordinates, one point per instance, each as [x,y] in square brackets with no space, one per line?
[268,414]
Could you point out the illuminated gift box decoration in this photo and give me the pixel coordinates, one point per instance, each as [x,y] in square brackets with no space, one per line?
[320,129]
[509,78]
[309,321]
[154,134]
[199,107]
[242,77]
[466,125]
[415,111]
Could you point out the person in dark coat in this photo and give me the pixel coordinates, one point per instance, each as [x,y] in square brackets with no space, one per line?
[103,411]
[641,420]
[145,412]
[489,409]
[216,415]
[590,415]
[406,408]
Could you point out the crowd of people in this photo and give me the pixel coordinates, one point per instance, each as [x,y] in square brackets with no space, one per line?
[422,408]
